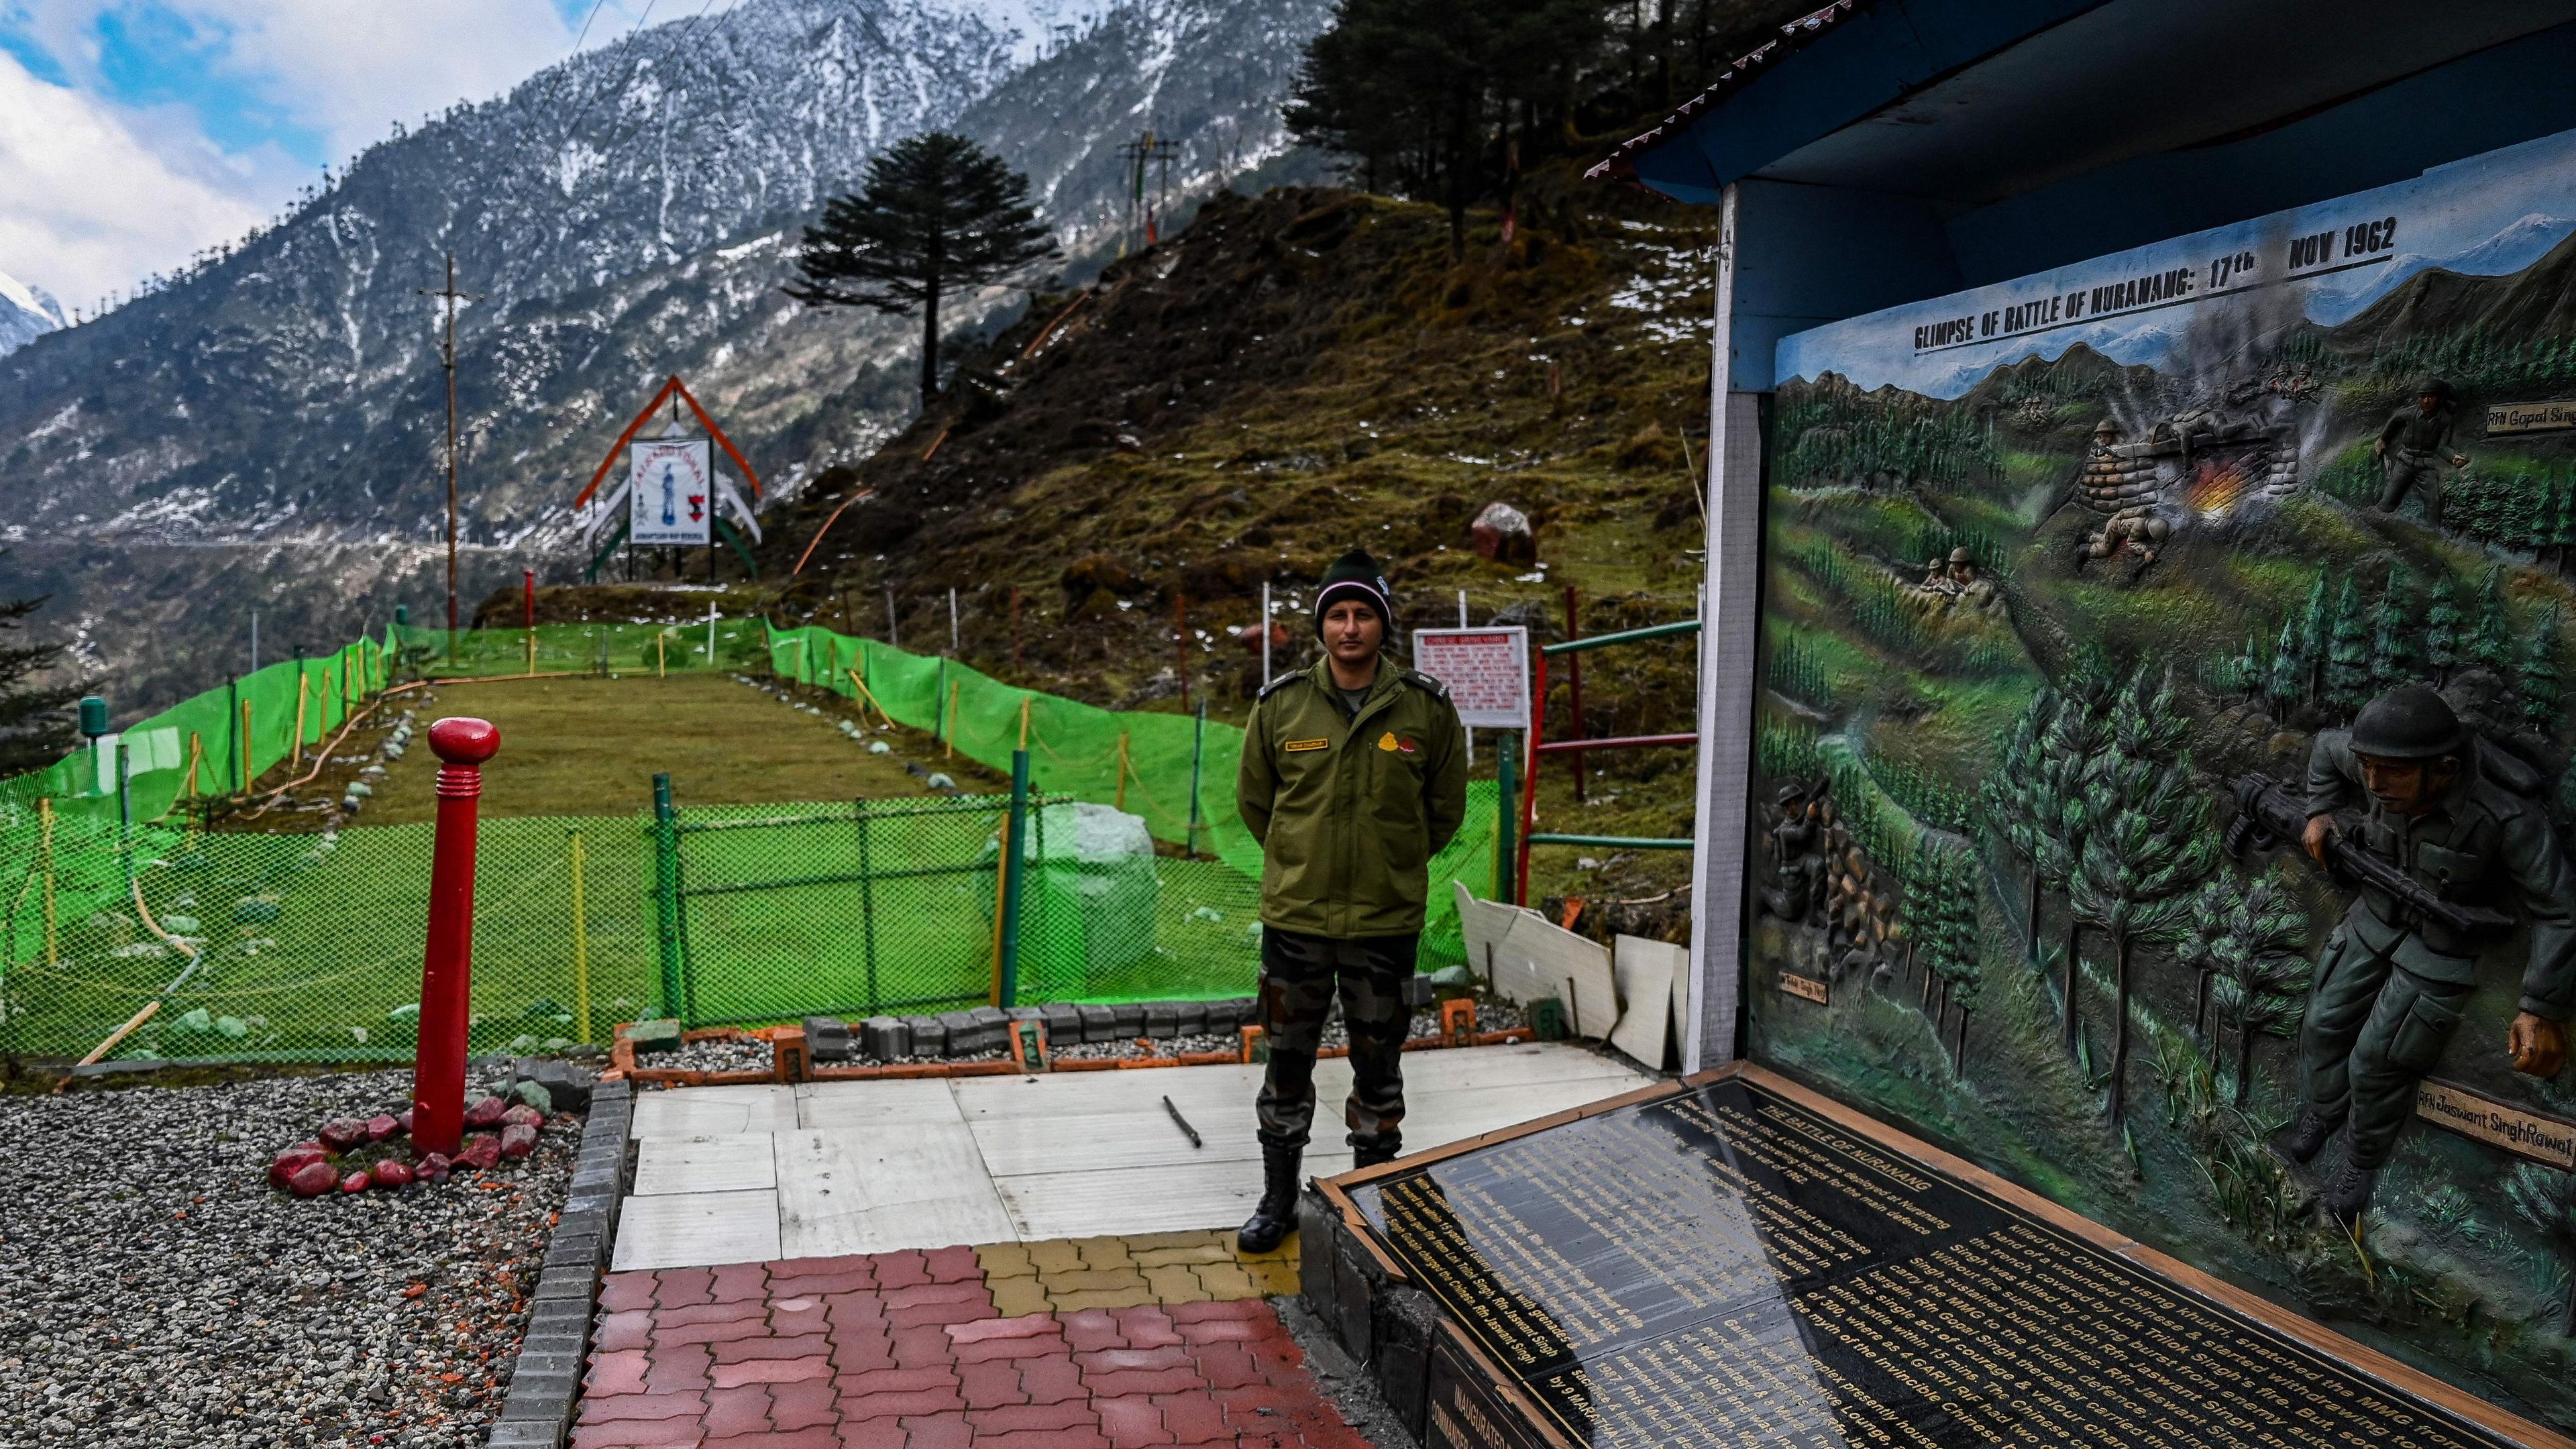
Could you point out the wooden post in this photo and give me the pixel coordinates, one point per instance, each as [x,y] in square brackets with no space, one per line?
[1025,702]
[247,758]
[1574,685]
[1122,769]
[948,747]
[660,640]
[196,756]
[45,817]
[447,963]
[295,747]
[580,948]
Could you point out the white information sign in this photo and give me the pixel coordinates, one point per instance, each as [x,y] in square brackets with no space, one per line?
[670,490]
[1487,671]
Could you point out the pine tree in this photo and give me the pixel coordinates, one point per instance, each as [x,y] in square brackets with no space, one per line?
[2289,677]
[35,719]
[2490,642]
[2392,649]
[2149,847]
[2545,1198]
[2249,667]
[1963,972]
[2316,624]
[2348,652]
[2255,941]
[2562,516]
[2079,736]
[2019,803]
[2442,631]
[2538,684]
[938,214]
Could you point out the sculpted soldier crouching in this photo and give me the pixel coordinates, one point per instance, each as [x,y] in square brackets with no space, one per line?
[2458,818]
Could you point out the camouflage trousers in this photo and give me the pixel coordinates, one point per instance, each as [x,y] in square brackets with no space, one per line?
[1299,974]
[2404,471]
[2372,1031]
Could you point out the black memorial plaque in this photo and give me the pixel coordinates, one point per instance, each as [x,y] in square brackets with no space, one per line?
[1723,1266]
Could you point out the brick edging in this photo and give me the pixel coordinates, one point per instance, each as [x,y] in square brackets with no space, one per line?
[546,1379]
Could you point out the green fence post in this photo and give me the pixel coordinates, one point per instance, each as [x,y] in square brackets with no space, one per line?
[1015,852]
[666,890]
[1507,784]
[232,732]
[1198,750]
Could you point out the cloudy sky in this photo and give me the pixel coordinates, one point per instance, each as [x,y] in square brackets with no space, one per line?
[134,132]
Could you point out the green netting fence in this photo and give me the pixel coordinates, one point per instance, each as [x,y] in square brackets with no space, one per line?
[307,946]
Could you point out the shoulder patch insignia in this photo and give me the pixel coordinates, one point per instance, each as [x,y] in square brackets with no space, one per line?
[1294,746]
[1282,682]
[1420,680]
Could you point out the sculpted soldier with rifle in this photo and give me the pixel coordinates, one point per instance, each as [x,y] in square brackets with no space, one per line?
[2449,830]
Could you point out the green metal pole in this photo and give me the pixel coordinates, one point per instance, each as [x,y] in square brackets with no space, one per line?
[1507,783]
[232,731]
[1198,751]
[1013,858]
[666,893]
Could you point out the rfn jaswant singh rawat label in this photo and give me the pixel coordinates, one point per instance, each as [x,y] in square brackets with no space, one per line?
[2517,1130]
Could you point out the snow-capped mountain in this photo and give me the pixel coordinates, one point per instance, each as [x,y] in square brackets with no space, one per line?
[2511,249]
[626,215]
[26,313]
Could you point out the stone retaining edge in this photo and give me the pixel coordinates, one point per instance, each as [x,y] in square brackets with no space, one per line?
[546,1379]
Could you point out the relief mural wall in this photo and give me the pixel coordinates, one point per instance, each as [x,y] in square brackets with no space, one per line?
[2164,750]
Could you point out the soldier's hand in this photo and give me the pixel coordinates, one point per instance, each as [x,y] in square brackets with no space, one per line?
[2537,1044]
[2459,460]
[2320,830]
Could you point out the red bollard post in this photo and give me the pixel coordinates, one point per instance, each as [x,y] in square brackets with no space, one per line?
[447,968]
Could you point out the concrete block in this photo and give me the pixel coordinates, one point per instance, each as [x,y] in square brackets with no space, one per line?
[1193,1018]
[929,1036]
[828,1039]
[1099,1023]
[1162,1020]
[1127,1019]
[1063,1023]
[885,1037]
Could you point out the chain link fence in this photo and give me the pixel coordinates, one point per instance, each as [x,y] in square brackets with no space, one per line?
[1139,882]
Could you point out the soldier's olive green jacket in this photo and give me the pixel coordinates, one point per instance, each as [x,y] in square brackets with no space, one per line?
[1349,809]
[2488,842]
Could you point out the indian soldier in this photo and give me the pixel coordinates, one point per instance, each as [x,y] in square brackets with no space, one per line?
[2392,983]
[1793,857]
[2413,447]
[1354,775]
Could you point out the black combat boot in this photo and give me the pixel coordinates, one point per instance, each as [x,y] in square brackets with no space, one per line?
[2349,1193]
[1271,1221]
[1381,1150]
[2302,1140]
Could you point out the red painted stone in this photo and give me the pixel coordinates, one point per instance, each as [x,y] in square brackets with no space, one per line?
[481,1152]
[402,1119]
[354,1182]
[313,1179]
[486,1113]
[391,1174]
[382,1126]
[518,1140]
[524,1115]
[293,1160]
[342,1133]
[434,1167]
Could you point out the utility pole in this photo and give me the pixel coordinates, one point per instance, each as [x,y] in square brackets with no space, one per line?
[447,356]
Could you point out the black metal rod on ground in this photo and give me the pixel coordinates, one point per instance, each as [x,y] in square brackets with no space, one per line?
[1183,1123]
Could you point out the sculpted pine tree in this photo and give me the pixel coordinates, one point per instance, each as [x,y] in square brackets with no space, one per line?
[2545,1198]
[2316,627]
[2490,642]
[2442,631]
[2019,805]
[2149,846]
[2078,738]
[2289,680]
[2348,652]
[2538,682]
[2392,646]
[939,214]
[2255,941]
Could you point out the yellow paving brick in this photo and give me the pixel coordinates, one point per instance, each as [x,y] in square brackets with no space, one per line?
[1019,1297]
[1086,1278]
[1135,1297]
[1226,1282]
[1141,1243]
[1105,1253]
[1203,1252]
[1272,1275]
[1175,1284]
[1005,1260]
[1055,1255]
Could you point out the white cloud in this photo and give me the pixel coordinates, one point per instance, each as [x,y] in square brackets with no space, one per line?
[93,197]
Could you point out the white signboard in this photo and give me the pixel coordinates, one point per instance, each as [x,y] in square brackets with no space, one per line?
[670,490]
[1487,671]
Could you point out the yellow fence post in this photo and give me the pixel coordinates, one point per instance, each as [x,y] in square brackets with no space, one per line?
[862,686]
[532,652]
[295,748]
[247,774]
[949,749]
[196,756]
[1024,721]
[1122,769]
[580,947]
[1001,885]
[658,642]
[45,813]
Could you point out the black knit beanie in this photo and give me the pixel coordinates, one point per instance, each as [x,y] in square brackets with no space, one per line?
[1354,576]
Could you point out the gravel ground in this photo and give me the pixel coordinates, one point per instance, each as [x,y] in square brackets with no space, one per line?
[160,1292]
[712,1056]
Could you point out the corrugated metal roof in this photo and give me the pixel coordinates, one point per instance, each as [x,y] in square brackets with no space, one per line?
[1620,164]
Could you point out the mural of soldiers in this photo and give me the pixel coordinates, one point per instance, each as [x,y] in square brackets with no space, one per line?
[2413,447]
[2391,984]
[1936,576]
[1795,841]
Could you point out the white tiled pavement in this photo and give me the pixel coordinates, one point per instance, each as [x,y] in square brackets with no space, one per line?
[745,1174]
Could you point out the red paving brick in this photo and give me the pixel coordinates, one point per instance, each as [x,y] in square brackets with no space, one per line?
[905,1351]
